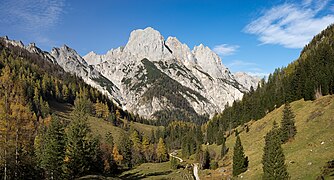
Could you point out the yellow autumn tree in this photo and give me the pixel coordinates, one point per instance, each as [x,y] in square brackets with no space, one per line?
[117,156]
[161,151]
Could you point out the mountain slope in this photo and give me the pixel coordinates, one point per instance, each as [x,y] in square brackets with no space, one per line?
[307,153]
[310,77]
[247,80]
[153,77]
[202,84]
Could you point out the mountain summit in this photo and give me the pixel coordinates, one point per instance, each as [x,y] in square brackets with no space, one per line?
[154,77]
[157,76]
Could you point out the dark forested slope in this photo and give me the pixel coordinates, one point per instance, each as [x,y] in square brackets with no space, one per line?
[309,77]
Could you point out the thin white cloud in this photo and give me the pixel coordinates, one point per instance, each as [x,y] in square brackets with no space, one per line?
[31,15]
[258,74]
[225,49]
[250,68]
[238,63]
[291,25]
[33,18]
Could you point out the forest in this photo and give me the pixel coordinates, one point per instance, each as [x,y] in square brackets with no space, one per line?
[309,77]
[37,144]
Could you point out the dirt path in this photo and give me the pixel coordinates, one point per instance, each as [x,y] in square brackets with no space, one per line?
[195,170]
[172,154]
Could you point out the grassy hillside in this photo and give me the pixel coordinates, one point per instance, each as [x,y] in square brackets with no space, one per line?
[155,171]
[312,147]
[99,126]
[305,155]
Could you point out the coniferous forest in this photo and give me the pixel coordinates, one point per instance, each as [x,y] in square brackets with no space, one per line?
[309,77]
[36,143]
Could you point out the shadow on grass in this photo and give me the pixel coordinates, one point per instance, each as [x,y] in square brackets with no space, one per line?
[138,175]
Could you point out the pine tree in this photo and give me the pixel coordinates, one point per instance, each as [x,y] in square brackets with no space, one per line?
[161,151]
[146,151]
[224,149]
[273,159]
[53,149]
[6,88]
[186,149]
[206,159]
[82,105]
[173,162]
[109,164]
[288,128]
[126,151]
[137,156]
[240,161]
[81,147]
[65,93]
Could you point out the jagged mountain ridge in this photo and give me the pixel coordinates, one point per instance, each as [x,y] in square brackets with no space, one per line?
[247,80]
[200,70]
[154,77]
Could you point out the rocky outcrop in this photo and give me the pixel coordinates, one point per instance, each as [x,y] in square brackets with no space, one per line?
[247,80]
[73,63]
[154,77]
[199,76]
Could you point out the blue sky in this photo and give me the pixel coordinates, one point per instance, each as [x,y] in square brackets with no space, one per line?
[254,36]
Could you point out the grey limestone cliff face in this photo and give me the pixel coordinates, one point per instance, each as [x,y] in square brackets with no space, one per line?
[199,78]
[247,80]
[152,77]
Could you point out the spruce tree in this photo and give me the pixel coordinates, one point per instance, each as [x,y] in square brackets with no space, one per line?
[81,147]
[53,149]
[288,128]
[240,161]
[273,157]
[206,159]
[173,162]
[224,149]
[126,151]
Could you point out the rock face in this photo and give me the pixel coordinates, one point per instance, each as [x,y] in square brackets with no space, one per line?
[156,78]
[72,62]
[247,80]
[155,75]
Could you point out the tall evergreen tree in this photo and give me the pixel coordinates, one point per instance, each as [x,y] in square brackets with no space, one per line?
[53,149]
[240,161]
[82,104]
[224,149]
[109,164]
[173,162]
[206,159]
[126,151]
[81,147]
[288,128]
[137,156]
[273,157]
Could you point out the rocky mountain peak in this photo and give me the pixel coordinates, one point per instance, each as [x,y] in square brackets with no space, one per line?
[92,58]
[209,61]
[66,55]
[147,43]
[247,80]
[180,51]
[12,42]
[155,77]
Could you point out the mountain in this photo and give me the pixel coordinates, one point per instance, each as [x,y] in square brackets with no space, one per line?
[247,80]
[154,77]
[157,77]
